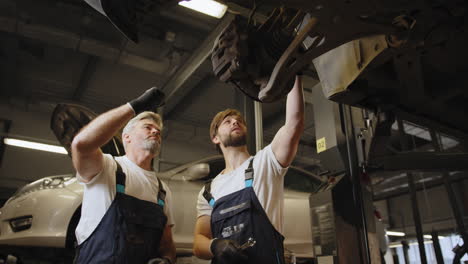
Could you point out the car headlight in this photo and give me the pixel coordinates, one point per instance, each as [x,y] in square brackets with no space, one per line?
[42,184]
[51,183]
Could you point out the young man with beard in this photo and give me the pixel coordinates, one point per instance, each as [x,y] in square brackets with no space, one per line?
[126,215]
[240,213]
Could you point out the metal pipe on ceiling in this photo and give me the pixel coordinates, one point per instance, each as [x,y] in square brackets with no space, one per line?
[67,39]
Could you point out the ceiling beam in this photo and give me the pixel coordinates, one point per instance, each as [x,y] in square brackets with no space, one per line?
[73,40]
[175,87]
[85,77]
[184,102]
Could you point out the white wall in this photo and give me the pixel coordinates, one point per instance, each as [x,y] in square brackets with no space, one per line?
[20,166]
[184,143]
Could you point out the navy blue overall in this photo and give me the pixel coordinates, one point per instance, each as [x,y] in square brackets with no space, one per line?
[240,216]
[129,232]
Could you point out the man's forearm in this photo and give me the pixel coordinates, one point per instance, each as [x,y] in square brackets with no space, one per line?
[168,252]
[295,107]
[167,248]
[202,238]
[201,247]
[100,130]
[86,154]
[286,140]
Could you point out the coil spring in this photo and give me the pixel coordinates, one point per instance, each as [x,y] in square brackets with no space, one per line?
[276,42]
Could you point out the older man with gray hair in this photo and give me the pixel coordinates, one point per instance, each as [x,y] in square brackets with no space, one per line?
[126,215]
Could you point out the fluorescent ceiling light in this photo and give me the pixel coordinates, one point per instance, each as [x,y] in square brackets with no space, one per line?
[393,233]
[425,242]
[396,244]
[430,237]
[34,145]
[208,7]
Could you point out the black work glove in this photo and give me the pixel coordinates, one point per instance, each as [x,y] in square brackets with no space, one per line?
[160,261]
[226,251]
[148,101]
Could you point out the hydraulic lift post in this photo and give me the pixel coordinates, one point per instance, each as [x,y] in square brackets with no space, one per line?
[343,213]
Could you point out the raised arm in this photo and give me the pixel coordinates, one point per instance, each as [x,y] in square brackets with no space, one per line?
[86,153]
[286,140]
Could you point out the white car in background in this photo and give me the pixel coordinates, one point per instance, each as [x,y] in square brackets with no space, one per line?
[45,213]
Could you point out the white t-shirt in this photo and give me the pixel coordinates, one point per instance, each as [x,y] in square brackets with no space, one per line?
[268,185]
[100,192]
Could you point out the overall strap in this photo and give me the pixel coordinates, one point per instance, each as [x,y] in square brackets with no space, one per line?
[120,185]
[161,194]
[120,178]
[249,174]
[207,194]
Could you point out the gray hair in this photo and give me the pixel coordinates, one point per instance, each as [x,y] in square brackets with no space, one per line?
[144,115]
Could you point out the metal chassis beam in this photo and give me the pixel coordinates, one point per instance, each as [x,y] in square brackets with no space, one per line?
[425,161]
[420,186]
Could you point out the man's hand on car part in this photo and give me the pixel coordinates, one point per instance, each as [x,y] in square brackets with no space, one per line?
[148,101]
[226,251]
[159,261]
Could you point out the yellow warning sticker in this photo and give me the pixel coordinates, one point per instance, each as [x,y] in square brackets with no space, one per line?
[321,145]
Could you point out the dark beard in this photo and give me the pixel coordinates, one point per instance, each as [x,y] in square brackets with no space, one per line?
[236,141]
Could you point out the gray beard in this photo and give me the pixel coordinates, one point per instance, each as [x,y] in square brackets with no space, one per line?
[231,141]
[151,145]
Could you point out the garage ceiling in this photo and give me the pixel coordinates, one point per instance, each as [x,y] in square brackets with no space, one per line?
[56,51]
[66,51]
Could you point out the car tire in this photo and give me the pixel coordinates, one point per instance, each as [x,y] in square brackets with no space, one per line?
[70,241]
